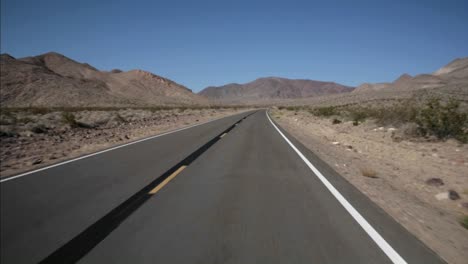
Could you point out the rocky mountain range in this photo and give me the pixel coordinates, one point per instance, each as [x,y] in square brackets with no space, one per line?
[456,72]
[52,79]
[272,88]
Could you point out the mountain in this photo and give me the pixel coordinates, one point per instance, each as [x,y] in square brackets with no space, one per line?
[454,73]
[272,88]
[52,79]
[371,87]
[457,69]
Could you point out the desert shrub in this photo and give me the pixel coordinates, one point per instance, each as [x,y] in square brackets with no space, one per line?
[38,110]
[39,129]
[7,133]
[25,120]
[7,118]
[443,120]
[395,115]
[336,121]
[292,108]
[281,107]
[69,118]
[182,109]
[325,111]
[155,109]
[464,221]
[359,114]
[120,118]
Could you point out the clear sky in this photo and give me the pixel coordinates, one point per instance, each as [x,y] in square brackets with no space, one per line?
[200,43]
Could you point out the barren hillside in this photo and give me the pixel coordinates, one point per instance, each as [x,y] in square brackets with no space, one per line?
[453,73]
[272,89]
[450,81]
[52,79]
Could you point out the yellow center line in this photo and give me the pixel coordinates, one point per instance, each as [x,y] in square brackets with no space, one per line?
[222,135]
[167,180]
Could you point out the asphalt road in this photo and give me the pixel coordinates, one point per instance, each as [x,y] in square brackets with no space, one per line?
[229,191]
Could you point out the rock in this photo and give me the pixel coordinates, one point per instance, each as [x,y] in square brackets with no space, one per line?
[391,129]
[442,196]
[36,161]
[453,195]
[464,205]
[435,182]
[127,137]
[336,143]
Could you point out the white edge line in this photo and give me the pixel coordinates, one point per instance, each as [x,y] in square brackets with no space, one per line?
[378,239]
[109,149]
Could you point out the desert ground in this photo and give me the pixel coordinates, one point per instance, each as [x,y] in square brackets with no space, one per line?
[34,138]
[420,182]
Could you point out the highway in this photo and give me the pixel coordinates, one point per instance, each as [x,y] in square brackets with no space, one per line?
[235,190]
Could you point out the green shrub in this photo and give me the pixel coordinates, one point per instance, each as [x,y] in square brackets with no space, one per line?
[325,111]
[359,114]
[395,115]
[69,118]
[464,221]
[443,120]
[292,108]
[432,117]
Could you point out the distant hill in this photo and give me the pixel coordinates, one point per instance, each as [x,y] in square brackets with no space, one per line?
[52,79]
[455,72]
[450,81]
[272,89]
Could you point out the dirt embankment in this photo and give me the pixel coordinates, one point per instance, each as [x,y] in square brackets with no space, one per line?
[32,140]
[422,184]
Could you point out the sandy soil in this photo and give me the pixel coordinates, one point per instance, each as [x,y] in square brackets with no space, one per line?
[400,171]
[30,141]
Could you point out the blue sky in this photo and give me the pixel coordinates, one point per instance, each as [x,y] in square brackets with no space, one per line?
[202,43]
